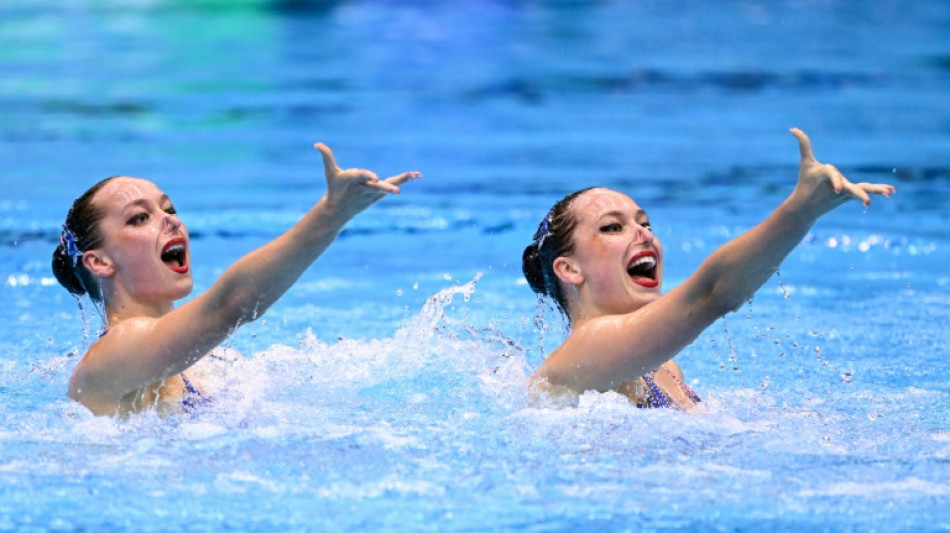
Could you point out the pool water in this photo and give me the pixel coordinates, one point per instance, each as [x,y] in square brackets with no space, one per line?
[387,391]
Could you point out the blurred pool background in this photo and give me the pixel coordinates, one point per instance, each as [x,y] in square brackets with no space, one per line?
[387,390]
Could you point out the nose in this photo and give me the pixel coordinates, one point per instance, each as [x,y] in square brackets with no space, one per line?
[644,235]
[171,222]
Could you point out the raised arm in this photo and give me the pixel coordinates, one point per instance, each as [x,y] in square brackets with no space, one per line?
[258,279]
[608,351]
[141,351]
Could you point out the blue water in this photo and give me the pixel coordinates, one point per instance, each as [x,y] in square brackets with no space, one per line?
[387,391]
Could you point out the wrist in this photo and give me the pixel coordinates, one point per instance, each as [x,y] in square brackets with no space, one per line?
[329,215]
[799,210]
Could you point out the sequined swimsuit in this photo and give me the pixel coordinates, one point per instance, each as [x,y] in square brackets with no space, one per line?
[655,397]
[193,399]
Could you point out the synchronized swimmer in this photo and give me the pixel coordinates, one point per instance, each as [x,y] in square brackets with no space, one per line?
[594,254]
[124,245]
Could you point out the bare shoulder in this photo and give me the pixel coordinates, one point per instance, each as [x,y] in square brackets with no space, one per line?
[605,352]
[92,373]
[586,358]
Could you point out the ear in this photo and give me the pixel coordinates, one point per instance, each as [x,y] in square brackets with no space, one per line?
[98,263]
[568,271]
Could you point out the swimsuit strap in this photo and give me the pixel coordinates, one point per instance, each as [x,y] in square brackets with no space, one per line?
[656,397]
[188,386]
[193,399]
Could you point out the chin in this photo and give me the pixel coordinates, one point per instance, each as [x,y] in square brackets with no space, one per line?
[183,288]
[645,298]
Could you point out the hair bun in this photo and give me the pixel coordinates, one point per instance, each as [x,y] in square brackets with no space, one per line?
[65,271]
[531,267]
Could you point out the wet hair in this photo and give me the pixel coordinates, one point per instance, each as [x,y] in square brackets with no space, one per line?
[553,239]
[80,233]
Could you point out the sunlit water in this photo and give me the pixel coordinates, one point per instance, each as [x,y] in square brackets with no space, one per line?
[388,389]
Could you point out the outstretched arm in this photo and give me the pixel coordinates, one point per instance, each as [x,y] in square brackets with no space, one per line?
[732,274]
[141,351]
[606,352]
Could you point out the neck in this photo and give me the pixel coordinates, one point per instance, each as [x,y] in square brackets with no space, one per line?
[120,306]
[582,310]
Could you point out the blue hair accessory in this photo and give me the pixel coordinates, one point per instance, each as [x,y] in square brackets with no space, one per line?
[543,231]
[68,240]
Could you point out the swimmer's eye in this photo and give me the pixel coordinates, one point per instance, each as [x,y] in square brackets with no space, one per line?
[171,210]
[646,225]
[138,219]
[613,227]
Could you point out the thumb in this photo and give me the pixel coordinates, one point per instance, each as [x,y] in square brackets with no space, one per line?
[329,163]
[804,145]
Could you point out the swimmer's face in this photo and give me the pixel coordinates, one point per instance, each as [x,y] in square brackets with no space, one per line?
[619,260]
[145,249]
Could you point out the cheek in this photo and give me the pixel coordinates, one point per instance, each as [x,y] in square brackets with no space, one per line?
[134,249]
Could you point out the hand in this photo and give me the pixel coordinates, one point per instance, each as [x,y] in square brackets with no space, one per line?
[823,187]
[352,190]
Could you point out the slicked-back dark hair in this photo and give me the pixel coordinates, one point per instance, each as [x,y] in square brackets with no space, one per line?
[82,222]
[553,239]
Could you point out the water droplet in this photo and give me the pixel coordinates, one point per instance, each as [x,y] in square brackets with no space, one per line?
[782,285]
[398,292]
[415,286]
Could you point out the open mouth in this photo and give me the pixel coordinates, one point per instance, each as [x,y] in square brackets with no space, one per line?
[175,255]
[642,269]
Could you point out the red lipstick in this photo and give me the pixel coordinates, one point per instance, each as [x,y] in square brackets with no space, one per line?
[175,255]
[642,269]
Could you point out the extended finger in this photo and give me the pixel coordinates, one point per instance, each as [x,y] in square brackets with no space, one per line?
[329,162]
[857,191]
[804,144]
[399,179]
[882,189]
[360,174]
[384,186]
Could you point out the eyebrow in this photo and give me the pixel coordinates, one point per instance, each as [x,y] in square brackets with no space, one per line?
[620,214]
[142,202]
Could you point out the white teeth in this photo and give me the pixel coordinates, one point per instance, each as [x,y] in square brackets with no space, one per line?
[647,260]
[174,253]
